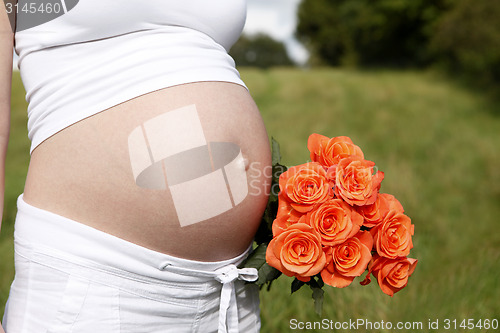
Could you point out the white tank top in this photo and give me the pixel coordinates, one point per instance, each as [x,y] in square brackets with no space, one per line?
[101,53]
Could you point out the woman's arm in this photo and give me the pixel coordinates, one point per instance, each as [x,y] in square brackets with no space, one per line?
[6,47]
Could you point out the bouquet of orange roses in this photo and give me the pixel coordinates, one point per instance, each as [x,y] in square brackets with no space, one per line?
[329,224]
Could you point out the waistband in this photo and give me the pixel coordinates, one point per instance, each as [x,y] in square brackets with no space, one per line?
[69,239]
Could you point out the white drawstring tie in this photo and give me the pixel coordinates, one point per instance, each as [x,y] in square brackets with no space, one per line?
[228,309]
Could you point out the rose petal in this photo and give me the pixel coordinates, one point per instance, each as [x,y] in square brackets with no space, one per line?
[335,280]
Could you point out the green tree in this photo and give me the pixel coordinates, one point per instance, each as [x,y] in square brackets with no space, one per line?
[467,40]
[369,32]
[261,51]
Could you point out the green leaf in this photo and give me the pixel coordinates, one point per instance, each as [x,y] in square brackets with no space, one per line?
[257,260]
[277,170]
[297,284]
[318,296]
[276,155]
[267,274]
[265,232]
[321,284]
[313,283]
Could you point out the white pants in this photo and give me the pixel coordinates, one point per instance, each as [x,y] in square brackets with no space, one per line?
[71,278]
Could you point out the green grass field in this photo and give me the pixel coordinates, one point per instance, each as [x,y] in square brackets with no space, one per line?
[438,145]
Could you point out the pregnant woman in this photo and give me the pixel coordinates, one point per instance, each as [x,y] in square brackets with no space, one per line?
[137,207]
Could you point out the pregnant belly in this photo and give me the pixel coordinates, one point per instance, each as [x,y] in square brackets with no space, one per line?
[182,170]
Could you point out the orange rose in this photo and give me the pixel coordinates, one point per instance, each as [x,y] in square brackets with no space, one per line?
[355,181]
[280,224]
[297,252]
[303,186]
[392,274]
[328,151]
[285,207]
[331,176]
[375,213]
[392,237]
[285,219]
[393,203]
[335,221]
[348,260]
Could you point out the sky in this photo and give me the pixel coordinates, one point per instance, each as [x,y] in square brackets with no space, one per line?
[276,18]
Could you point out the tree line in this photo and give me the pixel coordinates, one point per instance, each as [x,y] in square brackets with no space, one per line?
[462,36]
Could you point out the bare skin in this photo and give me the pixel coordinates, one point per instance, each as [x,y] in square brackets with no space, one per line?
[84,173]
[6,44]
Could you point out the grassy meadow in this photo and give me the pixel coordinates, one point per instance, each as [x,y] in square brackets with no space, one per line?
[438,144]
